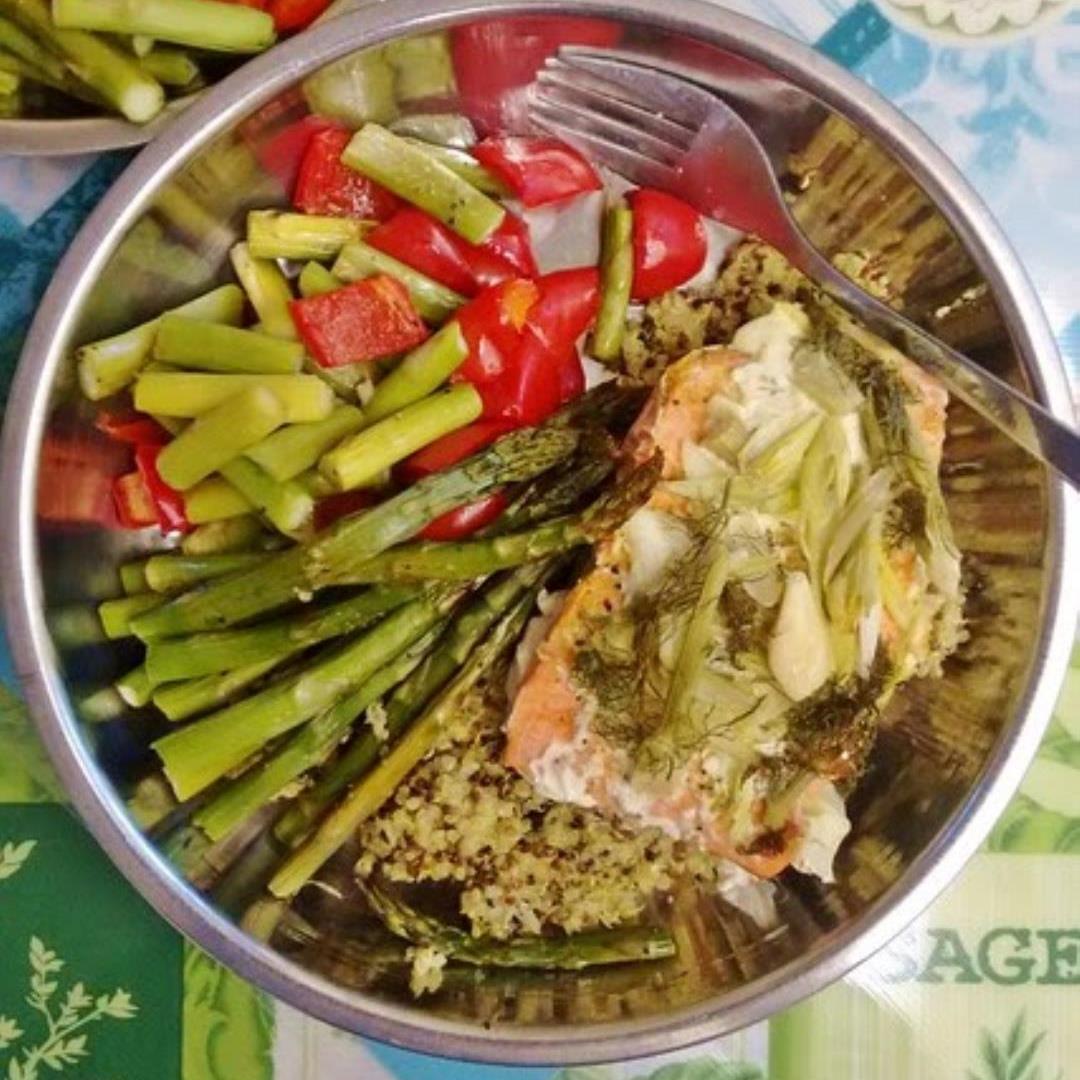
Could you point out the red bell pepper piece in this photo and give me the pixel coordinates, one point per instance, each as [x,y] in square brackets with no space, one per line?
[420,241]
[538,170]
[75,479]
[528,390]
[465,520]
[282,153]
[492,325]
[450,449]
[366,320]
[168,502]
[325,186]
[669,242]
[492,57]
[424,243]
[134,507]
[295,14]
[329,509]
[567,306]
[133,428]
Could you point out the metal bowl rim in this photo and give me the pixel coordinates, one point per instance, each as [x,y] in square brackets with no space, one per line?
[409,1027]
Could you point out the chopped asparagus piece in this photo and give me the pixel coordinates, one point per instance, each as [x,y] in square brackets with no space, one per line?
[218,436]
[102,706]
[189,393]
[231,535]
[315,280]
[416,176]
[172,67]
[360,458]
[425,369]
[202,24]
[433,302]
[466,166]
[616,279]
[449,130]
[356,89]
[290,451]
[206,346]
[278,234]
[423,66]
[267,289]
[135,687]
[76,625]
[19,43]
[107,366]
[180,701]
[116,615]
[286,505]
[215,500]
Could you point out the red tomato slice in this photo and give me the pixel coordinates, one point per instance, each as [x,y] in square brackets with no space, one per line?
[492,324]
[466,520]
[450,449]
[295,14]
[538,170]
[494,56]
[420,241]
[325,186]
[669,242]
[366,320]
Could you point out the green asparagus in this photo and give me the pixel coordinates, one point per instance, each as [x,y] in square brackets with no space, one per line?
[266,288]
[190,393]
[135,687]
[433,302]
[201,24]
[307,749]
[173,573]
[315,280]
[286,505]
[363,456]
[107,366]
[19,43]
[197,755]
[277,234]
[290,451]
[116,615]
[616,278]
[172,67]
[369,795]
[102,706]
[110,72]
[464,165]
[219,436]
[416,176]
[215,500]
[424,370]
[179,701]
[225,537]
[353,540]
[573,952]
[76,625]
[213,652]
[206,346]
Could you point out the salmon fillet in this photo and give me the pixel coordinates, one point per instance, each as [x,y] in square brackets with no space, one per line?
[552,735]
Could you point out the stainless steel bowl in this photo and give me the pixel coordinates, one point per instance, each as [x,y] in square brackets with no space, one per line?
[951,752]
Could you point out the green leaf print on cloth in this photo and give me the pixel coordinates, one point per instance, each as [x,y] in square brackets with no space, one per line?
[1014,1057]
[699,1069]
[228,1025]
[26,776]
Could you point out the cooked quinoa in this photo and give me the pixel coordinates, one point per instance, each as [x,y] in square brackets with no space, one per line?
[523,864]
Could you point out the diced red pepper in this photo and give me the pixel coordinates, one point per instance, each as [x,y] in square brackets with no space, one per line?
[132,428]
[492,57]
[75,479]
[292,15]
[538,170]
[450,449]
[528,390]
[571,377]
[567,306]
[366,320]
[420,241]
[168,502]
[326,186]
[669,242]
[492,325]
[282,153]
[329,509]
[134,507]
[465,520]
[426,244]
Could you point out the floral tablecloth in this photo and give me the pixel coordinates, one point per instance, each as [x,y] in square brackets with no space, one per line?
[985,986]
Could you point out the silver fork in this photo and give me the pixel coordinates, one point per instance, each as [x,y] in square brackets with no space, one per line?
[660,130]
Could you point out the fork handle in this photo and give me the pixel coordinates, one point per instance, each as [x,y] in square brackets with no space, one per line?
[1024,421]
